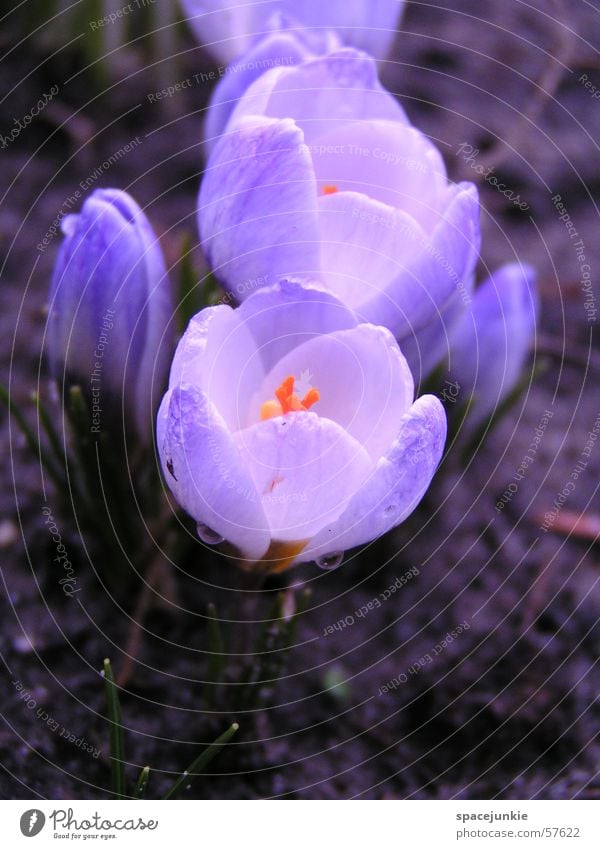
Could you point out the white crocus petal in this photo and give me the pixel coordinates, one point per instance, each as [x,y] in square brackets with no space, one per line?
[395,486]
[321,94]
[305,469]
[363,380]
[386,161]
[365,246]
[218,355]
[206,473]
[283,316]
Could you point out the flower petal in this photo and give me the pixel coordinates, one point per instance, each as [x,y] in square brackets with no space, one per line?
[277,48]
[305,469]
[321,94]
[438,267]
[489,345]
[218,355]
[386,161]
[227,28]
[257,206]
[283,316]
[206,473]
[366,246]
[395,486]
[364,383]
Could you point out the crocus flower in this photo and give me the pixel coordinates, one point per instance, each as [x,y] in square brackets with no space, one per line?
[320,176]
[228,28]
[285,44]
[489,343]
[110,308]
[289,429]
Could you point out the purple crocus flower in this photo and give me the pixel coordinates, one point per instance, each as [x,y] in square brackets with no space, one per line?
[110,307]
[228,29]
[289,429]
[286,44]
[320,176]
[489,343]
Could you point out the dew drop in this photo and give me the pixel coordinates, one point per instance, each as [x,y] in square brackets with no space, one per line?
[208,536]
[330,561]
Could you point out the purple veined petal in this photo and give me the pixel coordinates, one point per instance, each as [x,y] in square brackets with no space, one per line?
[394,488]
[218,355]
[321,94]
[305,469]
[257,206]
[489,345]
[206,473]
[364,383]
[229,28]
[442,265]
[282,316]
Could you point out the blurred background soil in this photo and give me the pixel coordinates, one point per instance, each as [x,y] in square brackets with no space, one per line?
[508,707]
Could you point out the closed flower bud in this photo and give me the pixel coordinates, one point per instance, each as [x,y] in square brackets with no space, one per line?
[110,308]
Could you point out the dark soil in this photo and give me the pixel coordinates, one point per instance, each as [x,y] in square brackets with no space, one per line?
[508,708]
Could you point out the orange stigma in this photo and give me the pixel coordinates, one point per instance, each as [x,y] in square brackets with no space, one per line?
[286,401]
[329,189]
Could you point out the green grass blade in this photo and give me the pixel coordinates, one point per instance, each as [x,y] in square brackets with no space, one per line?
[117,748]
[201,761]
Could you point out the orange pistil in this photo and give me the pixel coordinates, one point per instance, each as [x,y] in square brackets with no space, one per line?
[329,189]
[286,401]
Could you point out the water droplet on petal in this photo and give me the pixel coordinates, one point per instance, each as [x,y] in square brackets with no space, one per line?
[208,536]
[330,561]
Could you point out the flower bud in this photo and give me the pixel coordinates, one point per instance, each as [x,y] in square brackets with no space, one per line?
[109,313]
